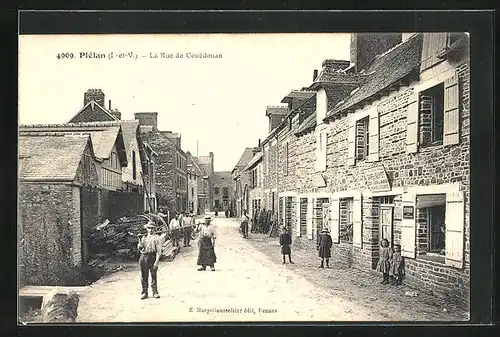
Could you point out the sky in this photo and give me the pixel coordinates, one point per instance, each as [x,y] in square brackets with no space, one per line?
[217,103]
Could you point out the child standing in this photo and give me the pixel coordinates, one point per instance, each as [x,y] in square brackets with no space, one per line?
[285,242]
[383,264]
[397,269]
[324,246]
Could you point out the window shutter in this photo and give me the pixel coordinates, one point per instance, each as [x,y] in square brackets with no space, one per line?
[412,124]
[408,227]
[351,144]
[373,128]
[451,111]
[357,222]
[434,44]
[454,227]
[335,219]
[310,217]
[325,208]
[297,215]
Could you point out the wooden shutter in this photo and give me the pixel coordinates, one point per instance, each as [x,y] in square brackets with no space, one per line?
[357,221]
[451,111]
[335,218]
[325,208]
[412,124]
[434,44]
[297,215]
[310,201]
[408,227]
[454,227]
[351,143]
[373,128]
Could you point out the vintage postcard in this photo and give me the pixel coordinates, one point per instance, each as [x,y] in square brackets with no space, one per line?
[244,177]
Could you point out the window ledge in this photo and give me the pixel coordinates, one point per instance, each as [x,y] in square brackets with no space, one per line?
[434,257]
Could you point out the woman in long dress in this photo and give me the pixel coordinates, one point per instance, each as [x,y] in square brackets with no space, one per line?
[206,243]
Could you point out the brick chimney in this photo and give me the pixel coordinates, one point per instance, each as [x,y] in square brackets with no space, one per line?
[116,113]
[315,74]
[276,114]
[334,65]
[366,46]
[147,118]
[95,95]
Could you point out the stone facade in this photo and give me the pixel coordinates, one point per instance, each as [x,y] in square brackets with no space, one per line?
[420,171]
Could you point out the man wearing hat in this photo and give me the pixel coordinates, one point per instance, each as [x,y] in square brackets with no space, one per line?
[324,246]
[150,248]
[206,243]
[285,242]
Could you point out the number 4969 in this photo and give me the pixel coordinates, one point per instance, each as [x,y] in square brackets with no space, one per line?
[66,55]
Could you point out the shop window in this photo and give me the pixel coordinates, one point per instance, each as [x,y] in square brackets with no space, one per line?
[216,190]
[346,219]
[435,218]
[431,231]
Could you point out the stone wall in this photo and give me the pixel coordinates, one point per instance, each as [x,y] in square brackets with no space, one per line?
[50,234]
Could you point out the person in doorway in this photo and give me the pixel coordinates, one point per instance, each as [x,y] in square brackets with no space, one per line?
[324,247]
[206,244]
[285,242]
[187,229]
[245,219]
[385,257]
[150,248]
[397,269]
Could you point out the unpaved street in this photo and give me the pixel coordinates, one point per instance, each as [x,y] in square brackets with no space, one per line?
[248,285]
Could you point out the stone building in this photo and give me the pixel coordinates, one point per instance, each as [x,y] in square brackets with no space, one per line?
[197,189]
[206,163]
[241,180]
[254,190]
[59,201]
[171,163]
[383,154]
[223,188]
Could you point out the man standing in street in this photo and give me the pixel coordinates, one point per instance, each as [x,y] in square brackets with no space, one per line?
[244,224]
[175,228]
[150,248]
[206,244]
[187,223]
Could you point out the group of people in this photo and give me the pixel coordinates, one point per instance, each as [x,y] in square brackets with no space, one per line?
[182,224]
[391,264]
[150,246]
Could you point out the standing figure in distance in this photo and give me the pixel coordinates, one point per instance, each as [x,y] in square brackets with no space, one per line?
[397,269]
[150,248]
[187,223]
[324,246]
[285,242]
[384,263]
[175,227]
[245,219]
[206,244]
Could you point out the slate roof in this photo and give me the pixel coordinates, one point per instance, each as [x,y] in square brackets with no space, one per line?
[129,131]
[281,110]
[51,158]
[254,161]
[94,106]
[298,94]
[308,124]
[104,135]
[384,71]
[245,158]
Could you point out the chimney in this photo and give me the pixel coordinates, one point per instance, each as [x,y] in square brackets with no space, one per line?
[366,46]
[109,108]
[259,142]
[148,118]
[334,65]
[315,74]
[95,95]
[116,113]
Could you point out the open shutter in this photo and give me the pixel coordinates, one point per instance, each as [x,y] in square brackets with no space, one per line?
[451,111]
[335,218]
[310,217]
[357,222]
[297,215]
[408,225]
[373,130]
[434,44]
[351,143]
[412,124]
[325,207]
[454,227]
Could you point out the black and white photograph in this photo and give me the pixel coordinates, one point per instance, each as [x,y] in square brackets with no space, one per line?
[185,178]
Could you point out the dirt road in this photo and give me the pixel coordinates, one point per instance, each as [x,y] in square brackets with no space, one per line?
[248,285]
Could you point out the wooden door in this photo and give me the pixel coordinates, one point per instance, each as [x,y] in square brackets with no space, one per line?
[386,223]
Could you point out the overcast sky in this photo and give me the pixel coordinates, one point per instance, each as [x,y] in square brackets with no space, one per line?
[220,103]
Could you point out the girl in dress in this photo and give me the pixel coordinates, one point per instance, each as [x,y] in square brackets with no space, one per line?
[285,242]
[397,269]
[384,264]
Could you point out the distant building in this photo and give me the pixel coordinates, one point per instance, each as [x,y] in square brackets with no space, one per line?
[224,191]
[241,180]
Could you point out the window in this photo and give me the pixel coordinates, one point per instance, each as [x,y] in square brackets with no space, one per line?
[362,138]
[346,219]
[431,119]
[216,190]
[134,169]
[430,225]
[389,199]
[435,220]
[225,192]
